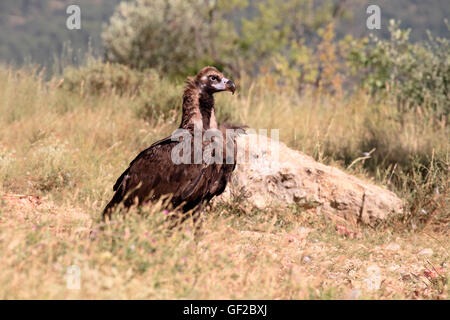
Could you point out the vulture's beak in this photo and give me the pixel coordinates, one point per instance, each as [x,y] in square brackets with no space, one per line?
[225,85]
[230,86]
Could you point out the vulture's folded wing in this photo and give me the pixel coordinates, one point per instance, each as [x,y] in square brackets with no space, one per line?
[153,174]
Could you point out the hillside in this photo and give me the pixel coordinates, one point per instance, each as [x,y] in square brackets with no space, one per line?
[35,30]
[61,151]
[418,15]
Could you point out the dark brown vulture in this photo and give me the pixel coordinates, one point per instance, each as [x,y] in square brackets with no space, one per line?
[153,173]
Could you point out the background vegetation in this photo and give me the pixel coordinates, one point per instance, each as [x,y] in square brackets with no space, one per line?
[64,140]
[35,30]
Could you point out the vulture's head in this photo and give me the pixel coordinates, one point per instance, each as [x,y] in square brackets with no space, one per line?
[211,80]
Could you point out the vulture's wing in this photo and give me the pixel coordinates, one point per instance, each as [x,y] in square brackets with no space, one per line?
[153,174]
[222,175]
[140,155]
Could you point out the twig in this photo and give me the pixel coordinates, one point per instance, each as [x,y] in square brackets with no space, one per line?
[362,158]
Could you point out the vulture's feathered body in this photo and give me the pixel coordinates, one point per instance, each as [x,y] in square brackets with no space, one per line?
[153,173]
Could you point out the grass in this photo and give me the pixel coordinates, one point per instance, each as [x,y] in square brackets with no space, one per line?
[61,151]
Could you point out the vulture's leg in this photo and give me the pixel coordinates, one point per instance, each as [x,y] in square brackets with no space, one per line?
[178,219]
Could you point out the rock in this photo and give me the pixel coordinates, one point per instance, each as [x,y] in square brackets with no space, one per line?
[426,252]
[271,174]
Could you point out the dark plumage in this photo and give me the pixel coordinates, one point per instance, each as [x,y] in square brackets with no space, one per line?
[153,174]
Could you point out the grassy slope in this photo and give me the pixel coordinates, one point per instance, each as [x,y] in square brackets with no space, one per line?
[68,149]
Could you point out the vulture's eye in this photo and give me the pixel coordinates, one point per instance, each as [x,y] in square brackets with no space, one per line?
[214,78]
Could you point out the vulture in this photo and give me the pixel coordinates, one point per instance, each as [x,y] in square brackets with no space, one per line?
[189,184]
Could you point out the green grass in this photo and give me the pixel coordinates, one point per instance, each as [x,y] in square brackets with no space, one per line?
[61,151]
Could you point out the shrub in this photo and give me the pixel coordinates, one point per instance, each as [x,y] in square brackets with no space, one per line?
[98,78]
[178,37]
[414,74]
[174,36]
[152,97]
[164,102]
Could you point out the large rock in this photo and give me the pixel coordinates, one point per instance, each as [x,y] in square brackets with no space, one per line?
[273,174]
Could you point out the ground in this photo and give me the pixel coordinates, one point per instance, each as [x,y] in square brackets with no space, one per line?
[247,255]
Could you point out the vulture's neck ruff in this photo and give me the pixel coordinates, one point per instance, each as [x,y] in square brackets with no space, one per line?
[198,108]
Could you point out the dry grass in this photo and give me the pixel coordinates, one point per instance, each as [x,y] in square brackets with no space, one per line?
[66,149]
[271,256]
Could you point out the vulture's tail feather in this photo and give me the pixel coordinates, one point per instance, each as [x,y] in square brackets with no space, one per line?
[117,199]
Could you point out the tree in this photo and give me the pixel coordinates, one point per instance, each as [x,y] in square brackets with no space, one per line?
[284,37]
[415,74]
[173,36]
